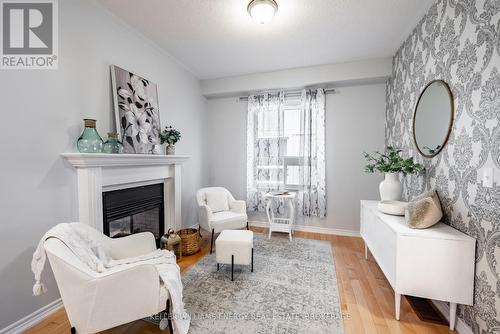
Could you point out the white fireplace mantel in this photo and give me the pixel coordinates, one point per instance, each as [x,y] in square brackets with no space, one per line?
[80,160]
[100,172]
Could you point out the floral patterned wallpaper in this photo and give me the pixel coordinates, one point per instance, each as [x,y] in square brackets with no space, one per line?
[458,41]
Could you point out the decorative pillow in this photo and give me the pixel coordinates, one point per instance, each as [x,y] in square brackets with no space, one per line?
[217,201]
[424,211]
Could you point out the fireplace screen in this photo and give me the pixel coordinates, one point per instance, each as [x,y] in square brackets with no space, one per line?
[134,210]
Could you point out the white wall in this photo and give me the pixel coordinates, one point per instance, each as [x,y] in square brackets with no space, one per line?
[349,73]
[226,145]
[354,123]
[42,115]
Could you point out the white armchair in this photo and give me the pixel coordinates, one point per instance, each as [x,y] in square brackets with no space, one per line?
[218,211]
[98,301]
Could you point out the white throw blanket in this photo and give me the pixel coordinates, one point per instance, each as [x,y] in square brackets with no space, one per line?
[89,251]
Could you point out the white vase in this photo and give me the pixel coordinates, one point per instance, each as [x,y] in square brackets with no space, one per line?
[391,188]
[170,149]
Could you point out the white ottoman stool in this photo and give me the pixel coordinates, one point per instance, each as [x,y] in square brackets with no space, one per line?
[234,247]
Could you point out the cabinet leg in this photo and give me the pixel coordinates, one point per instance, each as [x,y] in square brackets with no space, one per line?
[397,303]
[366,252]
[453,315]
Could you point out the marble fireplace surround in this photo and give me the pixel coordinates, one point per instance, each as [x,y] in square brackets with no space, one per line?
[98,173]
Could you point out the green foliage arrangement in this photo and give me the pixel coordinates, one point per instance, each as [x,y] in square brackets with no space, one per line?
[391,162]
[170,136]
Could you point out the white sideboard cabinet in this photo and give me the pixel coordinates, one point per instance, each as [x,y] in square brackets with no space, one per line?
[436,263]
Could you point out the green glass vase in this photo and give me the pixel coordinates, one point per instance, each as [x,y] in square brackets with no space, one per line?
[112,145]
[90,141]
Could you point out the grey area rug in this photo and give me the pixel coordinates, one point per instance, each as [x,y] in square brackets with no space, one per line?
[293,289]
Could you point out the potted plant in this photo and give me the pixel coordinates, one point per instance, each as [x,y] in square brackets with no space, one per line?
[391,163]
[170,136]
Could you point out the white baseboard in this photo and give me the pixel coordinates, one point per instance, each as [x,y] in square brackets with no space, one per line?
[313,229]
[303,228]
[32,319]
[460,326]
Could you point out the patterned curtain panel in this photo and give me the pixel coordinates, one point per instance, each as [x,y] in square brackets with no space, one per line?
[286,150]
[312,197]
[265,148]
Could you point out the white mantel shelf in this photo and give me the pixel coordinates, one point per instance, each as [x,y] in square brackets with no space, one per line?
[80,160]
[100,172]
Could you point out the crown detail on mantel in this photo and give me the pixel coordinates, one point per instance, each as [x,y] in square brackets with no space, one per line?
[112,160]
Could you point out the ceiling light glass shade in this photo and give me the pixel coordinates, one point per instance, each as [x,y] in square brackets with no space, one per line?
[262,11]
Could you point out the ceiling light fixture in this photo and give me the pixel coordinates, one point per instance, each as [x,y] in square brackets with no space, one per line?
[262,11]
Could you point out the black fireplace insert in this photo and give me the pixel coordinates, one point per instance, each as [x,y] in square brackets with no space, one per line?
[134,210]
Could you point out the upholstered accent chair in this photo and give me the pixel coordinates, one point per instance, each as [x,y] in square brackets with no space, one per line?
[98,301]
[218,211]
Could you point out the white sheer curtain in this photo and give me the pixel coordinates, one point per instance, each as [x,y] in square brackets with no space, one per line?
[286,150]
[265,148]
[312,197]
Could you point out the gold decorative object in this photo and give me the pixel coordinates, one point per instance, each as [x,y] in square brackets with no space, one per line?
[172,242]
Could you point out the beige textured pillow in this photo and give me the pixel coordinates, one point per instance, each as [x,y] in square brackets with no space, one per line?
[424,211]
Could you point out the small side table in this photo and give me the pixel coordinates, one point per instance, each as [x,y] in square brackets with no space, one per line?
[281,224]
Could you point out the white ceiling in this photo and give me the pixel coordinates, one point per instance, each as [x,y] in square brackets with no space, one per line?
[217,38]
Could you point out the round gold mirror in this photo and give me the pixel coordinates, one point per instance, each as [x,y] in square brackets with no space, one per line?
[433,118]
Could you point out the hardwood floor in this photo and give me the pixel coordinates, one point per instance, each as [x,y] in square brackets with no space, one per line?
[365,295]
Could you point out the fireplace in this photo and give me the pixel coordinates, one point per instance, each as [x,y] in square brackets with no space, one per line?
[100,175]
[134,210]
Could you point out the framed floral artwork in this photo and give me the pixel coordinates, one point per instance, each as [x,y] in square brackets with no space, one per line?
[136,110]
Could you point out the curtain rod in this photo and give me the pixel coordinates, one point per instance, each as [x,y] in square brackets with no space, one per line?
[291,93]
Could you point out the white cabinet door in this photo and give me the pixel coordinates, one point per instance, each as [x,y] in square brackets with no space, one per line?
[381,240]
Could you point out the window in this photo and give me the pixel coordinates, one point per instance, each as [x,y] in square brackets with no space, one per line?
[292,120]
[281,129]
[286,149]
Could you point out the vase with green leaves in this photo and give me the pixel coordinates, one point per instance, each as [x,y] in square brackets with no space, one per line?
[170,136]
[392,164]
